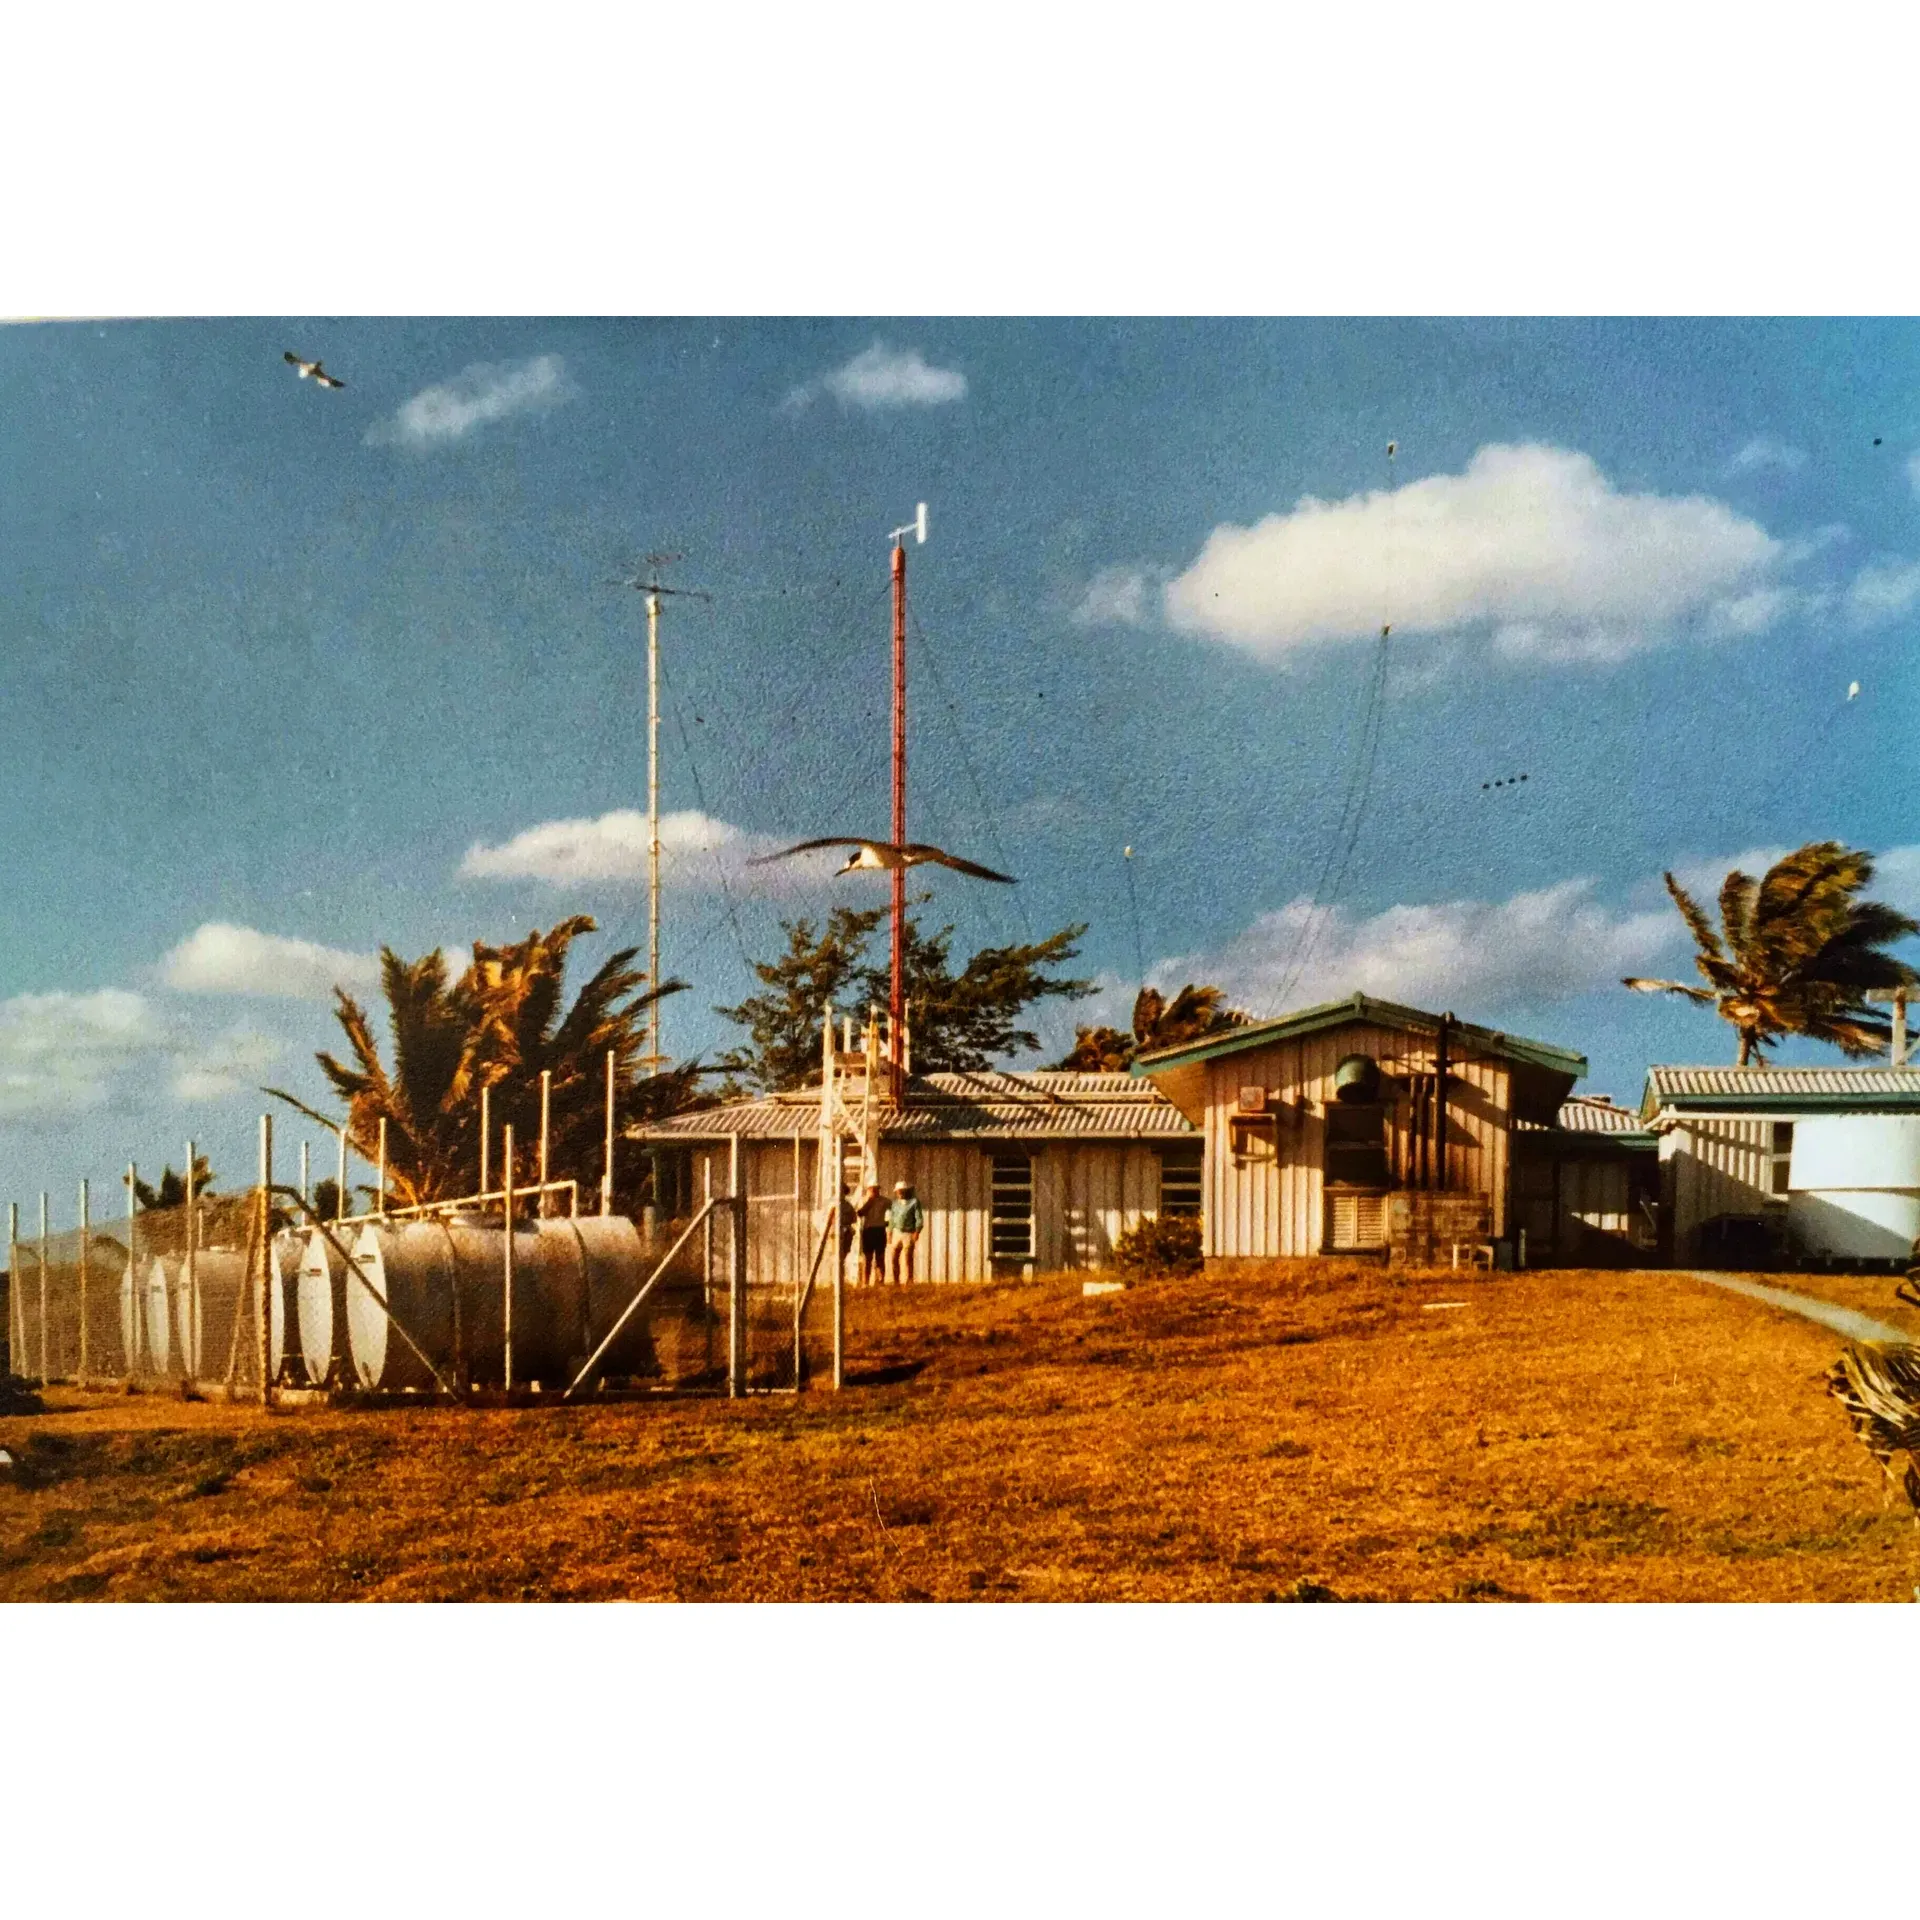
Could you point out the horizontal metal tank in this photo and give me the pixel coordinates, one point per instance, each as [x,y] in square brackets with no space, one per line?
[158,1285]
[212,1291]
[572,1279]
[285,1251]
[322,1303]
[1853,1186]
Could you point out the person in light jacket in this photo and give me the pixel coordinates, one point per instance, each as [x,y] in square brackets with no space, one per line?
[904,1221]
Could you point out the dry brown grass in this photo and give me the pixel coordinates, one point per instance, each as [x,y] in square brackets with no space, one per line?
[1590,1436]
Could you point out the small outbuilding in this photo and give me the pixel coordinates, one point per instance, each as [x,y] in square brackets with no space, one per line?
[1016,1173]
[1730,1139]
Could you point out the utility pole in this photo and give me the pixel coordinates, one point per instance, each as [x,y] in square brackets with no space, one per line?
[896,994]
[652,587]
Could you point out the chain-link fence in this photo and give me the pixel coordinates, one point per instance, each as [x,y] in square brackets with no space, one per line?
[167,1295]
[447,1302]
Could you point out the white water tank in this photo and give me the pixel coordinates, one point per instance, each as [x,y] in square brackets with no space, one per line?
[1853,1186]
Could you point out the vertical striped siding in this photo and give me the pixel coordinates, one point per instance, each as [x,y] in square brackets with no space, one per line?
[1716,1166]
[1265,1205]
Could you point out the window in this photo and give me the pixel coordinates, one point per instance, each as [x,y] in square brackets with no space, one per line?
[1012,1207]
[1180,1183]
[1356,1145]
[1782,1158]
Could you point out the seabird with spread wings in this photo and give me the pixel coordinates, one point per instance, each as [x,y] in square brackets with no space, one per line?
[882,856]
[312,370]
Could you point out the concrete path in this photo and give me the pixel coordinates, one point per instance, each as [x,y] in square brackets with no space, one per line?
[1843,1320]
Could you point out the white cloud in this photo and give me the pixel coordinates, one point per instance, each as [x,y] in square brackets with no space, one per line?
[475,397]
[695,850]
[1116,597]
[883,376]
[59,1051]
[1763,454]
[1532,542]
[217,958]
[231,1064]
[1553,943]
[1883,591]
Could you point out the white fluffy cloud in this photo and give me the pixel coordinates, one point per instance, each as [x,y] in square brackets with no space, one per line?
[1883,590]
[1764,454]
[1531,542]
[230,1064]
[882,376]
[1549,944]
[60,1051]
[475,397]
[611,850]
[1116,597]
[218,958]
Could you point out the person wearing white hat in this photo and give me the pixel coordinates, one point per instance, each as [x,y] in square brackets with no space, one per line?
[904,1221]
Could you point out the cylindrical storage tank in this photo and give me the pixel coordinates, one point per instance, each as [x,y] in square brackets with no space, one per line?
[213,1288]
[1853,1186]
[322,1307]
[614,1264]
[284,1253]
[130,1304]
[156,1335]
[422,1269]
[1357,1078]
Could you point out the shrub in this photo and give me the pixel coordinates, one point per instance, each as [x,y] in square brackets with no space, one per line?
[1158,1246]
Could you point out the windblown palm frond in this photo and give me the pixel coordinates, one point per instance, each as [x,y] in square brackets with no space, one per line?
[1797,951]
[1879,1386]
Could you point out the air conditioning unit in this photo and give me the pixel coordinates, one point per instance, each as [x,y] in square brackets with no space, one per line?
[1253,1100]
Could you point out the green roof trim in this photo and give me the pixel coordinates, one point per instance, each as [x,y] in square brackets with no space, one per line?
[1340,1013]
[1738,1103]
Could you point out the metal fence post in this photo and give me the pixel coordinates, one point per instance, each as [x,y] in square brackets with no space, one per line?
[187,1332]
[16,1308]
[133,1327]
[43,1288]
[546,1115]
[265,1294]
[737,1278]
[606,1170]
[839,1323]
[506,1258]
[86,1237]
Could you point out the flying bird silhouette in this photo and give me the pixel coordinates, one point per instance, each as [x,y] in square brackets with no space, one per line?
[312,370]
[881,856]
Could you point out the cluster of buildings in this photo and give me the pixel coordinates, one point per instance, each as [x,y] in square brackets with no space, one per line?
[1355,1127]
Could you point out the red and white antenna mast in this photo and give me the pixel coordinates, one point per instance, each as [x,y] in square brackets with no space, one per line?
[896,998]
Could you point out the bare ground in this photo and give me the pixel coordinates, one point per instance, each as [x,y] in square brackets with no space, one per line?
[1317,1430]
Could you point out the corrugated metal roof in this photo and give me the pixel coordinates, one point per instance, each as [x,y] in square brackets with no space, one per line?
[1359,1007]
[1760,1088]
[1588,1113]
[961,1106]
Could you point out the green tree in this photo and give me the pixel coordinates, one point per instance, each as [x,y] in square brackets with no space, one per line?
[962,1021]
[818,969]
[1797,951]
[1157,1022]
[498,1025]
[172,1190]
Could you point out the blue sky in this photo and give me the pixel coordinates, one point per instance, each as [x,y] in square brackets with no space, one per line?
[297,672]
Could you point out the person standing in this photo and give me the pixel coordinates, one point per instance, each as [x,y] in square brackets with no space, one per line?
[904,1221]
[872,1216]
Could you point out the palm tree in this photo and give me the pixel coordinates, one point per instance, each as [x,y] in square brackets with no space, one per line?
[1157,1022]
[1797,951]
[497,1026]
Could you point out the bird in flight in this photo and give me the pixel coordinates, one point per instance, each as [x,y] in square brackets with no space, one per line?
[312,370]
[881,856]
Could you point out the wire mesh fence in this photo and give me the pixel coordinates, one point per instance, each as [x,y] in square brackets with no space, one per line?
[214,1295]
[162,1296]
